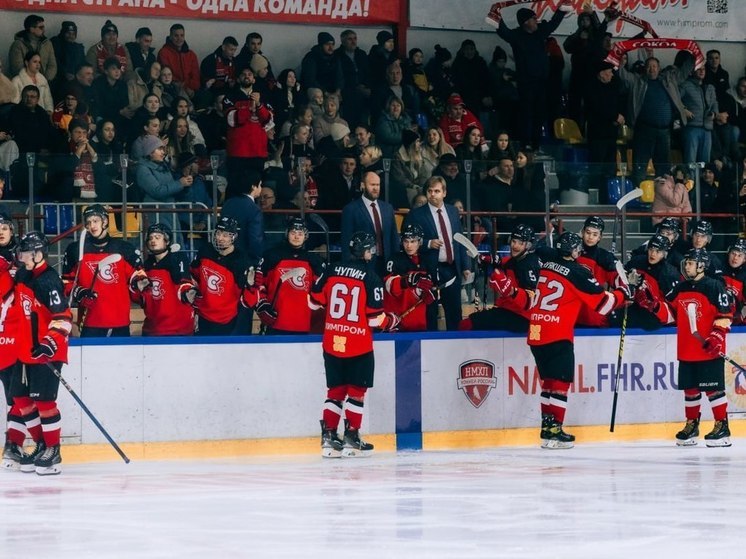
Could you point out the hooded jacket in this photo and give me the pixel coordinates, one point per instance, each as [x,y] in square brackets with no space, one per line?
[183,62]
[24,43]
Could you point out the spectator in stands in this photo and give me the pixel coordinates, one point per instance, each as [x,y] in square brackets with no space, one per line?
[108,47]
[171,89]
[472,149]
[264,84]
[107,168]
[299,145]
[409,171]
[246,140]
[274,223]
[68,53]
[151,107]
[32,39]
[83,158]
[363,137]
[82,87]
[653,104]
[213,126]
[393,86]
[321,68]
[739,95]
[503,91]
[144,82]
[381,56]
[456,120]
[419,200]
[371,159]
[151,127]
[322,125]
[671,198]
[218,69]
[393,121]
[183,108]
[30,75]
[8,91]
[69,109]
[243,206]
[339,183]
[356,75]
[726,132]
[529,41]
[141,51]
[502,146]
[186,165]
[715,74]
[287,98]
[175,54]
[303,114]
[110,91]
[251,47]
[469,70]
[450,171]
[496,192]
[180,140]
[708,190]
[700,108]
[438,71]
[435,147]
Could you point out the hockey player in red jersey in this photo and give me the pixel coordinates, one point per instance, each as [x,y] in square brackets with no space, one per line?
[43,336]
[734,275]
[164,288]
[353,297]
[513,298]
[408,285]
[563,289]
[220,272]
[701,369]
[600,262]
[282,305]
[103,304]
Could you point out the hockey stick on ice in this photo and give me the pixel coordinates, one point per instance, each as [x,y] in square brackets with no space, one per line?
[81,252]
[422,300]
[691,313]
[621,203]
[103,263]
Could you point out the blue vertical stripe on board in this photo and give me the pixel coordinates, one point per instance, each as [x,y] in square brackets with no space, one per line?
[408,395]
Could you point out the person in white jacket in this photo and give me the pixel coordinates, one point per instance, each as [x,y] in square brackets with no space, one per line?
[31,75]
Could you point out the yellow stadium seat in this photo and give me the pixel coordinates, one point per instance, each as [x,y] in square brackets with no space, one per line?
[567,129]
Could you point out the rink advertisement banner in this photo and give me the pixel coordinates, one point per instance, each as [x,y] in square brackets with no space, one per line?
[701,20]
[358,12]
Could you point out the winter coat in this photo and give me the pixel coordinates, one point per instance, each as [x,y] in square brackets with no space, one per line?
[183,62]
[157,181]
[670,198]
[321,70]
[700,99]
[137,90]
[45,92]
[388,133]
[24,43]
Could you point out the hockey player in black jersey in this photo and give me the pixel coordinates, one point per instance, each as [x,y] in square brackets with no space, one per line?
[735,278]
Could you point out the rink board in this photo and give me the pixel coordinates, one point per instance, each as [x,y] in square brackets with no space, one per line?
[437,390]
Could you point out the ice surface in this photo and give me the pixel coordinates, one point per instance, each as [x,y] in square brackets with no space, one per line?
[626,500]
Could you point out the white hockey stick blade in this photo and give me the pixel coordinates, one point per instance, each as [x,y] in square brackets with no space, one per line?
[293,273]
[471,250]
[449,283]
[622,273]
[175,247]
[111,259]
[81,244]
[627,198]
[469,280]
[691,313]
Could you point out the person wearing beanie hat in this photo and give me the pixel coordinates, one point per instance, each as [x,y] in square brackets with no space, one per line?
[109,47]
[154,175]
[323,38]
[468,72]
[177,55]
[339,131]
[321,68]
[385,39]
[69,54]
[141,51]
[408,137]
[259,64]
[323,124]
[32,39]
[380,56]
[529,43]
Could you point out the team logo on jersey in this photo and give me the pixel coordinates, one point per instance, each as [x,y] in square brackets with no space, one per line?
[297,281]
[107,273]
[476,378]
[214,280]
[27,304]
[156,288]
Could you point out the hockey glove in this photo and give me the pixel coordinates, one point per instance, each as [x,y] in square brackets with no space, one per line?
[428,296]
[485,260]
[417,279]
[715,342]
[188,296]
[502,284]
[265,312]
[46,348]
[83,293]
[391,322]
[634,278]
[645,299]
[139,281]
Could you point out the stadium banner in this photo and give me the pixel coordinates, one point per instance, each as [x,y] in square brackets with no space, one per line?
[340,12]
[701,20]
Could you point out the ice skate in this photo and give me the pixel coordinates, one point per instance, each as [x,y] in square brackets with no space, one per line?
[720,434]
[331,444]
[49,463]
[28,459]
[556,438]
[12,454]
[688,435]
[354,446]
[546,423]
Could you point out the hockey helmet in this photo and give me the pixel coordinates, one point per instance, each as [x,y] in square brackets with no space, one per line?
[523,232]
[6,220]
[703,227]
[738,246]
[412,232]
[227,225]
[360,242]
[698,255]
[568,243]
[296,224]
[670,223]
[33,241]
[161,228]
[659,242]
[595,222]
[96,210]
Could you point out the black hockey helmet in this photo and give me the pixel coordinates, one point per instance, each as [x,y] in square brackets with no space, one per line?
[296,223]
[669,223]
[412,232]
[703,227]
[595,222]
[523,232]
[33,241]
[568,242]
[360,242]
[698,255]
[738,246]
[161,228]
[659,242]
[6,220]
[95,210]
[227,224]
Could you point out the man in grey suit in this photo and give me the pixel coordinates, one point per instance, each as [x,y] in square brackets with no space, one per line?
[443,258]
[372,215]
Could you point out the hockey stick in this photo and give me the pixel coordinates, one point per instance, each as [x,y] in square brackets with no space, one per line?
[81,252]
[691,313]
[104,262]
[471,249]
[292,273]
[422,300]
[621,203]
[621,272]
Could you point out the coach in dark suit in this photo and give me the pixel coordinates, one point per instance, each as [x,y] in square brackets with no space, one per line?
[361,215]
[442,257]
[244,209]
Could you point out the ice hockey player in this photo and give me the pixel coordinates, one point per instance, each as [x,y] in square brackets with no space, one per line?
[735,278]
[513,297]
[701,369]
[282,305]
[220,271]
[407,283]
[43,337]
[669,227]
[656,278]
[564,287]
[103,307]
[353,297]
[164,288]
[701,237]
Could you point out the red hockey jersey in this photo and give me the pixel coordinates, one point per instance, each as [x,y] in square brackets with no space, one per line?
[399,297]
[220,280]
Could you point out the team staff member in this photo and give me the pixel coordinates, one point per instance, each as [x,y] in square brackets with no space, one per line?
[564,287]
[443,258]
[164,288]
[701,369]
[282,306]
[353,297]
[220,273]
[408,285]
[43,339]
[103,308]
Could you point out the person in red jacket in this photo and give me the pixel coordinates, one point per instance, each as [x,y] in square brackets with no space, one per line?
[43,340]
[175,53]
[164,288]
[456,120]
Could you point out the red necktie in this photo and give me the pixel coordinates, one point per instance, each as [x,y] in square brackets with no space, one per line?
[377,224]
[446,239]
